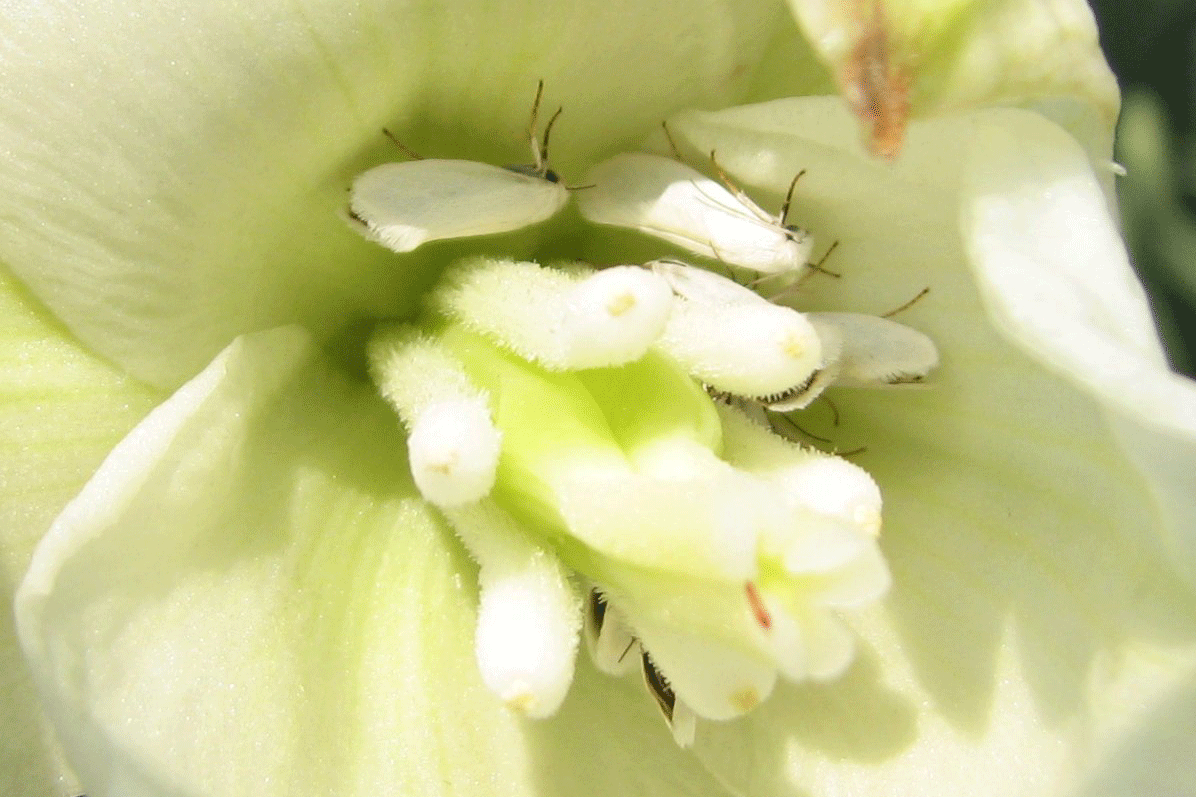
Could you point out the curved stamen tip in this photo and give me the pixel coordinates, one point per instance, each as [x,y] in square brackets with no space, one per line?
[453,448]
[613,316]
[527,634]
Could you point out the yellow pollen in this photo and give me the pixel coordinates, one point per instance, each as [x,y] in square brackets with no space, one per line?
[793,345]
[521,701]
[868,519]
[620,304]
[746,700]
[445,465]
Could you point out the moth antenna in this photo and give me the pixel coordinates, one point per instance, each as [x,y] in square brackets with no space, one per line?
[908,304]
[537,155]
[668,134]
[405,149]
[725,178]
[531,127]
[789,197]
[739,193]
[542,154]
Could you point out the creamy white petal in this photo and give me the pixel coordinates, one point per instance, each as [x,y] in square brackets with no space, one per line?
[1056,280]
[61,410]
[174,174]
[299,623]
[1018,533]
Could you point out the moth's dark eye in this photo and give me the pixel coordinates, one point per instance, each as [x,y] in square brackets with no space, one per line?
[552,176]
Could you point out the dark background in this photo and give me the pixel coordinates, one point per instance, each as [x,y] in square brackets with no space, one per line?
[1151,46]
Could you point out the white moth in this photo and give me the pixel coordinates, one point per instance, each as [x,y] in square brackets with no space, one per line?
[665,198]
[857,350]
[403,205]
[860,350]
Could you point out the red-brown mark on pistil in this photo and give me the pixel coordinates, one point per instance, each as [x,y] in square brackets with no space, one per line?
[759,610]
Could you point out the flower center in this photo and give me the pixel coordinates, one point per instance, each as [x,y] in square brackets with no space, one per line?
[562,419]
[557,416]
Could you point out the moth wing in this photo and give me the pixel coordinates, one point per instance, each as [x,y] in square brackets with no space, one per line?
[875,351]
[700,285]
[403,205]
[667,199]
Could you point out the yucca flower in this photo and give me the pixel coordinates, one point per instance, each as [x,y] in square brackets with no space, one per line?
[251,595]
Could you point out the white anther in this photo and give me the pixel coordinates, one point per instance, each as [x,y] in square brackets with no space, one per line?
[821,544]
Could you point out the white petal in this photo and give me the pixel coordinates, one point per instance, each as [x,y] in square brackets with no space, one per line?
[159,236]
[1018,534]
[62,409]
[1055,277]
[295,620]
